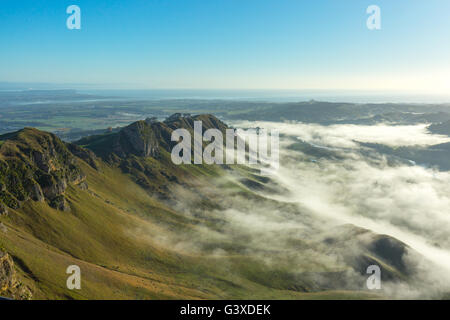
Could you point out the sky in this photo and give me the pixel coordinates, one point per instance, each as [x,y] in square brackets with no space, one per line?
[229,44]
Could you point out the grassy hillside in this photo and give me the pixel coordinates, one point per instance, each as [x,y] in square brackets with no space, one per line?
[109,235]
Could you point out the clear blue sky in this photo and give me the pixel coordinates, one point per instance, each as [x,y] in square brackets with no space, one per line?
[239,44]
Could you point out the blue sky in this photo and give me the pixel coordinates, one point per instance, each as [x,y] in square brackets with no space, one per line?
[229,44]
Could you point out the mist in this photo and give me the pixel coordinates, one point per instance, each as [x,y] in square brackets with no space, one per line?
[328,186]
[408,202]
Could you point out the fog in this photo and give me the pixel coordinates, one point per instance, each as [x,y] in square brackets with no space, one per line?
[344,136]
[314,197]
[408,202]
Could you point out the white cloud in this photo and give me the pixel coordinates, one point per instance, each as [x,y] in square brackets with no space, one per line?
[343,136]
[410,203]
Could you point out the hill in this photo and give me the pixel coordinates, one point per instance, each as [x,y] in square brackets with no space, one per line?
[140,227]
[440,128]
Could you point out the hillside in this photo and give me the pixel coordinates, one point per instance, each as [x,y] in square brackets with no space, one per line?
[140,227]
[440,128]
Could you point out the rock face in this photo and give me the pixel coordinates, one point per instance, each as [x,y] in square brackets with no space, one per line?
[138,139]
[9,285]
[139,148]
[38,166]
[85,154]
[36,192]
[7,272]
[60,203]
[3,210]
[146,138]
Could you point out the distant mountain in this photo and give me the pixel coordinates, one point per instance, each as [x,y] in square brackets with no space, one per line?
[401,118]
[344,113]
[440,128]
[429,156]
[91,114]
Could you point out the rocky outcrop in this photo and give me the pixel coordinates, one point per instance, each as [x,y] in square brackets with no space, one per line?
[85,154]
[132,146]
[186,121]
[38,166]
[138,139]
[9,285]
[7,272]
[60,203]
[36,193]
[145,138]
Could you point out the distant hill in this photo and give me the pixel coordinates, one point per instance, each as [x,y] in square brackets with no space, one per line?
[351,113]
[440,128]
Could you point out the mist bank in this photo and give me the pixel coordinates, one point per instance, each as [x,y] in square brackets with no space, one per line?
[334,177]
[332,209]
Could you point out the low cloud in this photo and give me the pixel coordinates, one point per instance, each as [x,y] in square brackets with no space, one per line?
[344,136]
[410,203]
[315,198]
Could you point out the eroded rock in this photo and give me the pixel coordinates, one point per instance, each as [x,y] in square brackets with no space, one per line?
[60,203]
[9,285]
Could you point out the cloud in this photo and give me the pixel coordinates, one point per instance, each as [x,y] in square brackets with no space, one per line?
[410,203]
[344,136]
[286,230]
